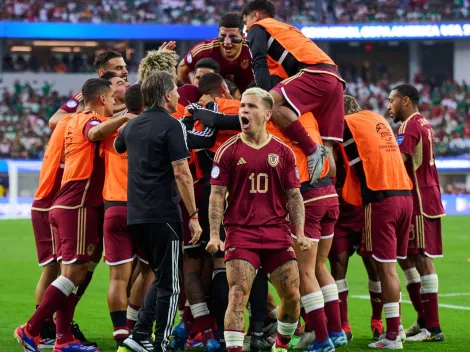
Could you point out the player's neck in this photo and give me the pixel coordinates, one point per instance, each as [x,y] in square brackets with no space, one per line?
[256,138]
[409,113]
[100,110]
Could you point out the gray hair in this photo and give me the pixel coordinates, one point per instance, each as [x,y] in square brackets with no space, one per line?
[265,97]
[154,87]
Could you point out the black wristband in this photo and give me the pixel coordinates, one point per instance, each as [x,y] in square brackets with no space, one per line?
[197,210]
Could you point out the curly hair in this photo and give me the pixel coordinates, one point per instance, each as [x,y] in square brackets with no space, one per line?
[351,106]
[157,61]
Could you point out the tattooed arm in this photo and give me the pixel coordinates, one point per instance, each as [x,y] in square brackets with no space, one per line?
[295,206]
[216,215]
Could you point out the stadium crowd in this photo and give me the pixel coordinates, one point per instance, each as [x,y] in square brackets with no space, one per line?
[210,11]
[25,110]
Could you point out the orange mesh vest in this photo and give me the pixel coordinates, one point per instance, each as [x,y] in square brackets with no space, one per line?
[51,160]
[311,126]
[380,155]
[79,151]
[115,177]
[226,106]
[290,46]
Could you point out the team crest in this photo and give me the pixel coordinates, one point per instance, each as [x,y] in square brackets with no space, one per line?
[90,249]
[244,64]
[273,159]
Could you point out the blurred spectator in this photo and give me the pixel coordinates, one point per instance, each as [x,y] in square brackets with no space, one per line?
[143,11]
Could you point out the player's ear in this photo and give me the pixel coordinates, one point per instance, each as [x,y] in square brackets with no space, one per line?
[268,115]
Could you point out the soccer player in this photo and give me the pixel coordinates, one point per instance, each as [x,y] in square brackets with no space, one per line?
[204,66]
[311,81]
[319,293]
[229,50]
[75,216]
[377,179]
[258,171]
[50,179]
[107,61]
[415,139]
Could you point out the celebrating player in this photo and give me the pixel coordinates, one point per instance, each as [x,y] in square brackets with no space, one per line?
[203,66]
[376,178]
[311,81]
[229,50]
[415,139]
[258,170]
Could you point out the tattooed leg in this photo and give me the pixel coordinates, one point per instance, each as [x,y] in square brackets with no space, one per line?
[286,281]
[240,276]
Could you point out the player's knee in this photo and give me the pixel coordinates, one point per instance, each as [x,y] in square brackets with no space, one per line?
[292,296]
[425,265]
[237,294]
[307,275]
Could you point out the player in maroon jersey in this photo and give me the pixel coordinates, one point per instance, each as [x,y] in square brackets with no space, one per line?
[259,173]
[416,139]
[229,50]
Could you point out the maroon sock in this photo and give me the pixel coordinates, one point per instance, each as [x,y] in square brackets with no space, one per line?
[83,286]
[234,349]
[431,312]
[392,328]
[377,305]
[64,317]
[333,316]
[187,315]
[343,307]
[53,299]
[414,291]
[298,134]
[316,321]
[282,341]
[201,324]
[49,319]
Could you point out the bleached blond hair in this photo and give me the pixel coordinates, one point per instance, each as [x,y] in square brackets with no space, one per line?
[265,97]
[157,61]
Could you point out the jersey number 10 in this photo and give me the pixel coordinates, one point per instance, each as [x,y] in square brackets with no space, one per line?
[259,183]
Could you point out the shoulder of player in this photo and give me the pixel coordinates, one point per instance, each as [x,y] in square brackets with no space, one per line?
[410,125]
[283,146]
[206,45]
[228,145]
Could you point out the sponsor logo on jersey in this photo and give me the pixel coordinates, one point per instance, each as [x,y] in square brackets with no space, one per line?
[273,159]
[400,139]
[215,172]
[241,161]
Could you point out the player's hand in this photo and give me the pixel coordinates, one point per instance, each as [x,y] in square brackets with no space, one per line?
[316,161]
[193,108]
[171,45]
[120,129]
[214,245]
[303,243]
[195,230]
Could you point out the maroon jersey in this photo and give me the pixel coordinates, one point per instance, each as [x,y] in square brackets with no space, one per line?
[72,104]
[416,139]
[88,192]
[237,69]
[256,178]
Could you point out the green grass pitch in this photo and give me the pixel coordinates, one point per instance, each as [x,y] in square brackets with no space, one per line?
[19,275]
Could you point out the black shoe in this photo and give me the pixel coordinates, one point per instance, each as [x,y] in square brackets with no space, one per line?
[47,336]
[139,343]
[259,343]
[78,334]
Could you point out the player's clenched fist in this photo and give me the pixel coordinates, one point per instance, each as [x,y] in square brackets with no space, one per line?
[195,230]
[214,245]
[303,243]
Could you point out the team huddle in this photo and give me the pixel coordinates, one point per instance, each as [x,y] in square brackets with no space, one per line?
[287,173]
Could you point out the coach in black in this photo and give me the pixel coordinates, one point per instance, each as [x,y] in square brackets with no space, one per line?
[158,177]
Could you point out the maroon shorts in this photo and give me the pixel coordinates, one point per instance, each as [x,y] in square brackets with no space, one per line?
[268,259]
[202,203]
[119,245]
[386,228]
[319,93]
[77,233]
[425,237]
[320,219]
[44,237]
[345,240]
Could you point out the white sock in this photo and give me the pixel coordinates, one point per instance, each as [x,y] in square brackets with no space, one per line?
[286,329]
[342,285]
[312,301]
[233,338]
[131,313]
[392,310]
[330,293]
[64,284]
[199,309]
[411,276]
[273,314]
[430,284]
[375,286]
